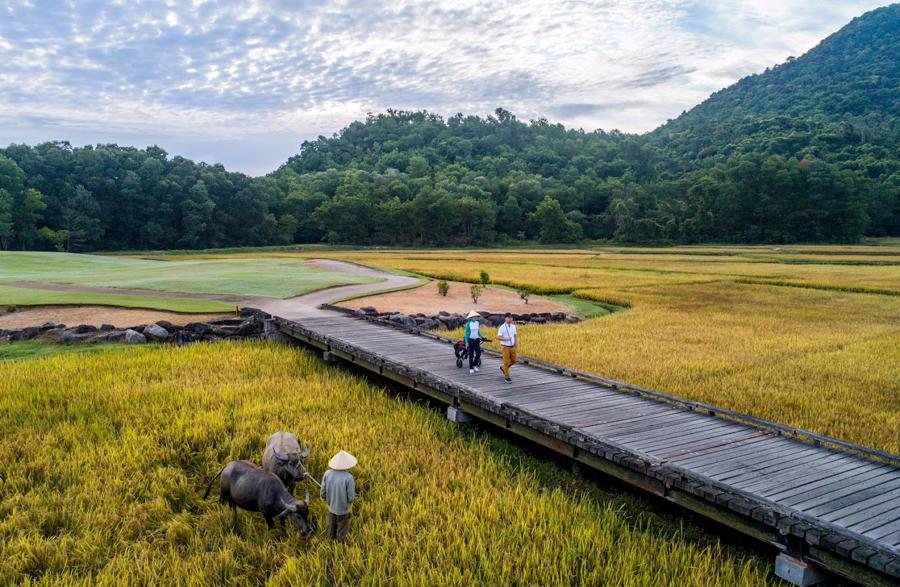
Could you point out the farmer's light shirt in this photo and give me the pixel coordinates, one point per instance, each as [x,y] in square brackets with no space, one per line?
[509,331]
[338,489]
[472,331]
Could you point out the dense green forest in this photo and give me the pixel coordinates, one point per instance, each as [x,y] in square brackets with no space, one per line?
[808,151]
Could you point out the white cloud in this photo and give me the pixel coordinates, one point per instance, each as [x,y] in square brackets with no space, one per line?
[205,73]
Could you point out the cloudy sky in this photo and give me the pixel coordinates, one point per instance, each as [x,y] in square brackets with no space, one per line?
[245,82]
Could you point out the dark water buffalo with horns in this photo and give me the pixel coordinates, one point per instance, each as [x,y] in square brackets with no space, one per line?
[284,457]
[245,485]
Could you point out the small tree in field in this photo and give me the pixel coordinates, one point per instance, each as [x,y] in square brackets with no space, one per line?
[485,278]
[475,291]
[443,287]
[525,293]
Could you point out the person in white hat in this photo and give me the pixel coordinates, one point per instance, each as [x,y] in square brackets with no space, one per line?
[472,336]
[339,490]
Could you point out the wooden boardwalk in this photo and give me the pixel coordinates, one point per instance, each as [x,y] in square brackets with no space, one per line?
[818,499]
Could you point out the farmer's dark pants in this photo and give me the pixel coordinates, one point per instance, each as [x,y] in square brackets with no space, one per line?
[338,526]
[474,352]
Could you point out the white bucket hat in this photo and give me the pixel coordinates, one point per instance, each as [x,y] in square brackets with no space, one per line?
[472,314]
[342,461]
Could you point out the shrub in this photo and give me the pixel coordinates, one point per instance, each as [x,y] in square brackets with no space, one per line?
[525,293]
[443,287]
[485,278]
[475,291]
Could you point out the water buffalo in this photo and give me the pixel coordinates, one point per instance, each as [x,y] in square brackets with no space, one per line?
[245,485]
[284,457]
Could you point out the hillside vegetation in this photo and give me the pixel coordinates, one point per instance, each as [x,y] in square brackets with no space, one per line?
[804,152]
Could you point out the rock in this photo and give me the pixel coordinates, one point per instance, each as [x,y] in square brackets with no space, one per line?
[249,328]
[24,333]
[72,337]
[155,332]
[450,322]
[250,312]
[443,313]
[134,337]
[228,322]
[107,328]
[51,325]
[538,320]
[403,319]
[184,336]
[558,316]
[572,319]
[361,313]
[495,319]
[84,329]
[199,328]
[166,324]
[368,310]
[224,330]
[431,324]
[115,335]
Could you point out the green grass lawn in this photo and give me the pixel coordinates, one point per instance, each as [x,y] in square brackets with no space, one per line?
[586,308]
[25,296]
[32,349]
[277,278]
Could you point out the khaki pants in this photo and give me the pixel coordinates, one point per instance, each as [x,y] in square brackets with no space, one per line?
[509,358]
[338,526]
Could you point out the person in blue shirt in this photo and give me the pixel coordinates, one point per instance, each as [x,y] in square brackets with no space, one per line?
[473,338]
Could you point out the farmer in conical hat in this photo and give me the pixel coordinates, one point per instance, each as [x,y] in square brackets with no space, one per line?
[339,490]
[472,336]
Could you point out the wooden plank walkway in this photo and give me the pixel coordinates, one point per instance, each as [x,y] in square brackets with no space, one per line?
[838,505]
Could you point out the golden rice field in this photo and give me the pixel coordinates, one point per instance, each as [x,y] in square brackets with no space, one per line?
[791,339]
[104,459]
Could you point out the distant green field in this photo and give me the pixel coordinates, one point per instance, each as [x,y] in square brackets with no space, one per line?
[25,296]
[277,278]
[32,349]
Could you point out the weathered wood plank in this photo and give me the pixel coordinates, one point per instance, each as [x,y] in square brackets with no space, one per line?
[806,497]
[850,513]
[790,470]
[754,457]
[725,452]
[602,428]
[724,436]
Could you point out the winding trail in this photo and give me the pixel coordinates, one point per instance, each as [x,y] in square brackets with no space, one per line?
[307,305]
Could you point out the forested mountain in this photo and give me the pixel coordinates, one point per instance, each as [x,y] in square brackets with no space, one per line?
[807,151]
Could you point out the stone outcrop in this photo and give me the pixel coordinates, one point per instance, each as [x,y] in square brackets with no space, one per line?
[249,325]
[447,321]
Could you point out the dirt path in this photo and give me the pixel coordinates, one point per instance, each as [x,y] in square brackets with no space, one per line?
[427,300]
[96,315]
[308,304]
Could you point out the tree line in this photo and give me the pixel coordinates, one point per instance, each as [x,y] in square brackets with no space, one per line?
[413,178]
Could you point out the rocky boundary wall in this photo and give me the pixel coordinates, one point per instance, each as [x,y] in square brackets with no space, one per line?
[448,321]
[248,325]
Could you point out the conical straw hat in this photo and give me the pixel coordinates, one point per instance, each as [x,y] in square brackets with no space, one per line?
[473,314]
[342,461]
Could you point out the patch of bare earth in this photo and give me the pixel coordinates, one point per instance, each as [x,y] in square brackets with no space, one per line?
[96,315]
[427,300]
